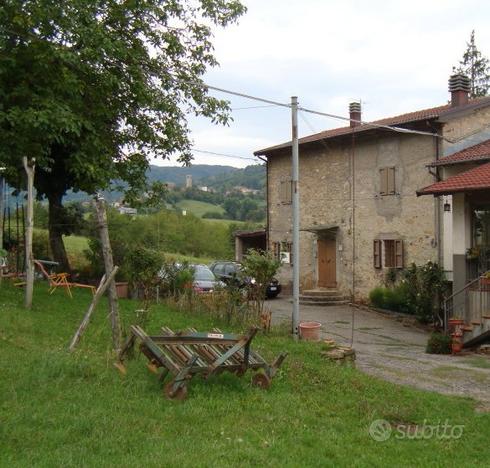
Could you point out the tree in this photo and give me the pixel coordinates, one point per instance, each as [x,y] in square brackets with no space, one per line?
[93,89]
[476,67]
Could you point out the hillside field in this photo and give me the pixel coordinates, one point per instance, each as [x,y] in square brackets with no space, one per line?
[198,208]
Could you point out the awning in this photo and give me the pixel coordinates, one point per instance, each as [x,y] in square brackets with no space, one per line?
[477,178]
[321,228]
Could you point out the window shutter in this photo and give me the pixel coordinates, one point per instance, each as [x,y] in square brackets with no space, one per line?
[399,254]
[377,253]
[383,190]
[290,250]
[390,180]
[276,247]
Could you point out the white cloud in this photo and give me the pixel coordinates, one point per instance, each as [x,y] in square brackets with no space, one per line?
[396,56]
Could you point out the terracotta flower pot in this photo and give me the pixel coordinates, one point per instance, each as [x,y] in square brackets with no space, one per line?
[310,331]
[122,290]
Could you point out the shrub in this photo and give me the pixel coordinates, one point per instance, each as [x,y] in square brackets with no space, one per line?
[438,344]
[377,297]
[40,244]
[212,215]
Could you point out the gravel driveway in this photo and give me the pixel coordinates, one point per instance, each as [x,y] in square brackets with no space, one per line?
[395,351]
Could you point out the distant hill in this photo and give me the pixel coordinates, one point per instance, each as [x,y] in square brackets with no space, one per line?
[252,177]
[176,174]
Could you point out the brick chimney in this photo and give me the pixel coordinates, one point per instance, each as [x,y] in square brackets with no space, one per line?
[459,87]
[355,113]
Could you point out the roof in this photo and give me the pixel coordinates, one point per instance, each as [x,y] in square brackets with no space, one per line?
[256,233]
[478,152]
[477,178]
[412,117]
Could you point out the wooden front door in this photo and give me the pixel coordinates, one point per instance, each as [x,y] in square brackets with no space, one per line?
[327,263]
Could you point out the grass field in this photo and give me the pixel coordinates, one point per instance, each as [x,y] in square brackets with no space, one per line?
[58,409]
[198,208]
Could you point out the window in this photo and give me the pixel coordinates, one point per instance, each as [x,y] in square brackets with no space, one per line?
[283,251]
[387,181]
[285,192]
[389,250]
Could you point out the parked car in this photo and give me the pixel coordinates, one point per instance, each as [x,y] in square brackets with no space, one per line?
[229,272]
[204,279]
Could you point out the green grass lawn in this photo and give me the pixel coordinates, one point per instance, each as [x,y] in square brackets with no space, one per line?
[58,409]
[198,208]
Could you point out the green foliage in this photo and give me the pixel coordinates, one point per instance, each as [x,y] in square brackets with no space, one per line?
[420,292]
[142,266]
[176,278]
[377,297]
[438,343]
[476,67]
[212,215]
[261,267]
[94,90]
[40,244]
[165,231]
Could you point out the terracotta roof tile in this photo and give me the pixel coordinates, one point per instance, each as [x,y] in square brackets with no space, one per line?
[424,114]
[477,178]
[478,152]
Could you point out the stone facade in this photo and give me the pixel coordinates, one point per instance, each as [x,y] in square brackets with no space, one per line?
[339,186]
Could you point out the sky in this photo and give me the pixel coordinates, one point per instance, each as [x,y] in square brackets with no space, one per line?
[394,56]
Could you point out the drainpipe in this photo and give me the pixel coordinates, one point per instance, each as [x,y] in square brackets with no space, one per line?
[266,160]
[353,223]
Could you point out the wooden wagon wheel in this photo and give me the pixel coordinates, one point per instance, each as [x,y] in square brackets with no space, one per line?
[261,380]
[180,394]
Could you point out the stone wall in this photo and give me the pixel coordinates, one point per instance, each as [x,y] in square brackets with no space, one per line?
[326,199]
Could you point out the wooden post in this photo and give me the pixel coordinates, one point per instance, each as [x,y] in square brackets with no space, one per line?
[109,265]
[29,258]
[101,289]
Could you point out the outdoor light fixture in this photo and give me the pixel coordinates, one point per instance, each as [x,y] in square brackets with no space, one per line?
[447,206]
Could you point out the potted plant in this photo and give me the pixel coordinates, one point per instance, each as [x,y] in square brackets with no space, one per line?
[457,342]
[485,279]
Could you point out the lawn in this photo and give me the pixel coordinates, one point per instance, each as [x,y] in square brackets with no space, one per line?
[58,409]
[198,208]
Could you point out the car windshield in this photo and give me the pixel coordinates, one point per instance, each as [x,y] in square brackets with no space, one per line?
[203,273]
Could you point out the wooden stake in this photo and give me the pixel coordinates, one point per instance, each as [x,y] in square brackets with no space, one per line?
[29,258]
[101,289]
[109,265]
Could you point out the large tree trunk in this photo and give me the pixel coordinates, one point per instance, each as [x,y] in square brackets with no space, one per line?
[55,225]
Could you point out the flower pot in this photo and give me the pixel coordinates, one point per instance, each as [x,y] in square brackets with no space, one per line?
[122,290]
[310,331]
[456,346]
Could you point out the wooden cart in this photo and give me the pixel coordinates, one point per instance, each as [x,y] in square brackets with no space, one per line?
[185,354]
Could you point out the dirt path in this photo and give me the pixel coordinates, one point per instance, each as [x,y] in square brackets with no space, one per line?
[387,348]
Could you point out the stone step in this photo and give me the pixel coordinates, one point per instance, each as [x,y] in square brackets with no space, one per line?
[323,303]
[337,297]
[320,292]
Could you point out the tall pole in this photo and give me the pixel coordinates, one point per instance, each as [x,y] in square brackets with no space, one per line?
[29,258]
[2,206]
[295,196]
[100,209]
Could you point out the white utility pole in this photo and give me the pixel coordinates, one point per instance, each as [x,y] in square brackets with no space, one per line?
[295,196]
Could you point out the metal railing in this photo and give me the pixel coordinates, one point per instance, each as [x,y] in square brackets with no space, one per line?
[470,303]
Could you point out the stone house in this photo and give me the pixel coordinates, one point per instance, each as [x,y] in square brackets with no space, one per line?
[361,216]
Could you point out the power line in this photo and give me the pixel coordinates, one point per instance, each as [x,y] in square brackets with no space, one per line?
[223,154]
[312,111]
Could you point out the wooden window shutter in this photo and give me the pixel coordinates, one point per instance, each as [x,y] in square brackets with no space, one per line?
[383,175]
[390,180]
[398,254]
[377,253]
[289,195]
